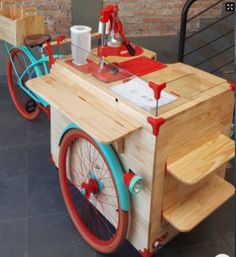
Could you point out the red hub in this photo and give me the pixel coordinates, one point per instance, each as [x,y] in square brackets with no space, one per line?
[90,188]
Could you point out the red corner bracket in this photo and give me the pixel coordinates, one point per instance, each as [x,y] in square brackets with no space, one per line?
[232,86]
[145,253]
[157,88]
[156,123]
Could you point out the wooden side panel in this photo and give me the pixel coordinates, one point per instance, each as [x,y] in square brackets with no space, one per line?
[29,25]
[190,126]
[7,30]
[138,155]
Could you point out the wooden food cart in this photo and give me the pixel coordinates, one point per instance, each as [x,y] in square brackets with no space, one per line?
[181,153]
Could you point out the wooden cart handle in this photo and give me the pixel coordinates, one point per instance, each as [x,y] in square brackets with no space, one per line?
[33,10]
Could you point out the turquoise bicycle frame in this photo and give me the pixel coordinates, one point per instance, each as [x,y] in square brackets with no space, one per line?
[35,66]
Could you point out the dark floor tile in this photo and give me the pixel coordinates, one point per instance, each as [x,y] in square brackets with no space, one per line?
[13,238]
[126,250]
[230,244]
[55,236]
[223,220]
[13,198]
[39,160]
[9,113]
[195,237]
[12,162]
[44,195]
[4,94]
[39,131]
[13,133]
[205,250]
[3,81]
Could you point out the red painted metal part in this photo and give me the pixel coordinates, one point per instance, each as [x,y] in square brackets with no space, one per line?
[119,51]
[128,176]
[156,123]
[231,85]
[60,39]
[107,12]
[157,88]
[145,253]
[50,54]
[47,110]
[52,160]
[90,188]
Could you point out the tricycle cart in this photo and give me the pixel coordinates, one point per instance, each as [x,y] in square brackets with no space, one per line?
[141,154]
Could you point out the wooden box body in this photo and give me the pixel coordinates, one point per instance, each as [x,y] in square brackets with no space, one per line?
[194,137]
[16,23]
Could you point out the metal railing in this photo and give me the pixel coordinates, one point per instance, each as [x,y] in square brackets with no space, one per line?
[183,37]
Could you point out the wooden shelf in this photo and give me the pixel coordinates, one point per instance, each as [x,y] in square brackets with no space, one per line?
[186,211]
[100,121]
[203,161]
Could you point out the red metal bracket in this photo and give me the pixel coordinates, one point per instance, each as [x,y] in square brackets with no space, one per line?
[232,86]
[60,39]
[50,54]
[156,123]
[145,253]
[157,88]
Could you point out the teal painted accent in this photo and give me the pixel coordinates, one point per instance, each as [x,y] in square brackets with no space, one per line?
[83,191]
[35,64]
[115,166]
[133,182]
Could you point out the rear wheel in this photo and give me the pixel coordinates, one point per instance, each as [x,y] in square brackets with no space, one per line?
[24,104]
[90,192]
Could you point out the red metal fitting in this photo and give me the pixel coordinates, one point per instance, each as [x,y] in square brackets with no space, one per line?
[128,176]
[157,88]
[232,86]
[60,39]
[156,123]
[50,54]
[145,253]
[90,188]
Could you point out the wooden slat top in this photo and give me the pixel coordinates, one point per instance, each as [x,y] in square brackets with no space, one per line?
[185,213]
[100,121]
[204,160]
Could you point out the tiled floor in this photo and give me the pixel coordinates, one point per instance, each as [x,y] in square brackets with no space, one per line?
[33,219]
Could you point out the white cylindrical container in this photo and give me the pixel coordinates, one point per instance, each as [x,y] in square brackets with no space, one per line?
[222,255]
[80,44]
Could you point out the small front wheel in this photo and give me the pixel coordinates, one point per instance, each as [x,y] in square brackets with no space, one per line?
[24,104]
[90,192]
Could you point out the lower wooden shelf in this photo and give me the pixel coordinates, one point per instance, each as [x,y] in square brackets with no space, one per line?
[186,211]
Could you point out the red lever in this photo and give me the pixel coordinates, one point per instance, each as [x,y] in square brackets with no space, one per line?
[157,88]
[156,123]
[107,11]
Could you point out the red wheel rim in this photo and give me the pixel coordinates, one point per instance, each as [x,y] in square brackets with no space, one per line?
[18,96]
[98,217]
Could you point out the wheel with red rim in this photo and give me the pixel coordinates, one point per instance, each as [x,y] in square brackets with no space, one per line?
[90,192]
[24,104]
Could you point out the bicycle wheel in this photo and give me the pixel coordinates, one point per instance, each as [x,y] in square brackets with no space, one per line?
[24,104]
[90,193]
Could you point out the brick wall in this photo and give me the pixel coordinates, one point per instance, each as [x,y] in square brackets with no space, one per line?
[57,13]
[158,17]
[140,17]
